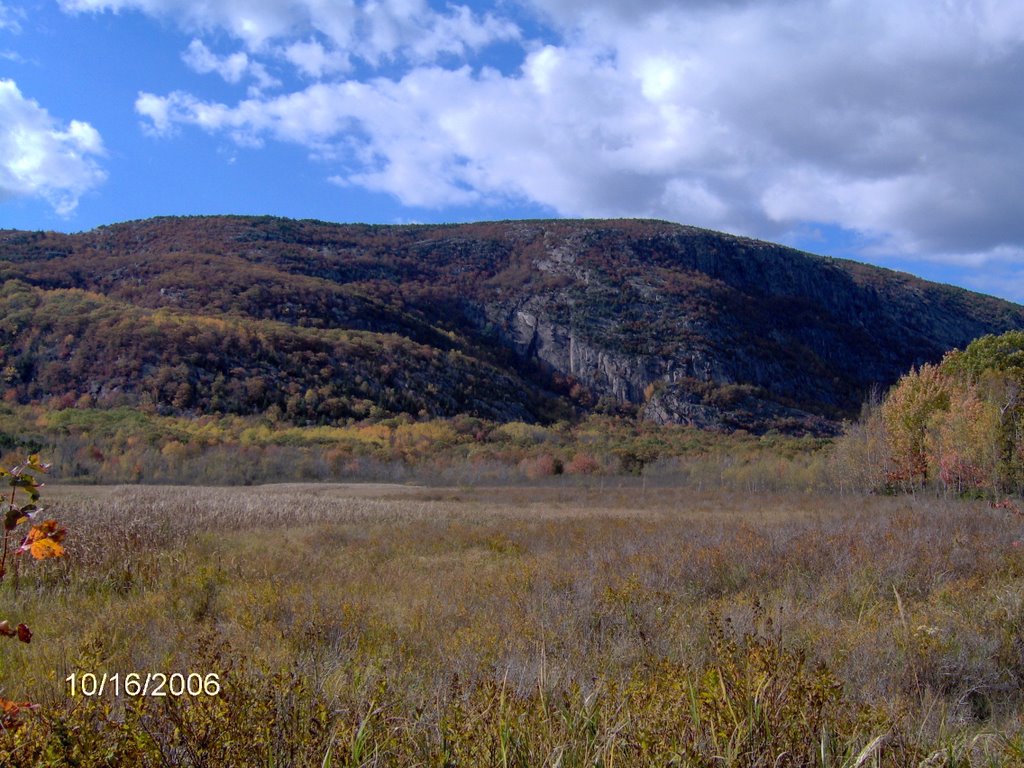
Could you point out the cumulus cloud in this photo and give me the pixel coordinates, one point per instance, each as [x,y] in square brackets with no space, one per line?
[899,123]
[314,60]
[40,157]
[232,67]
[564,132]
[202,60]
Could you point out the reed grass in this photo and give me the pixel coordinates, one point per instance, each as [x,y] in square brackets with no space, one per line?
[525,626]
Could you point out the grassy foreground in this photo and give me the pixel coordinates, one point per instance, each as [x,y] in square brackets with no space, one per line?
[549,626]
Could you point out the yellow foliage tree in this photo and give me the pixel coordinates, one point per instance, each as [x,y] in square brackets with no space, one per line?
[907,413]
[962,442]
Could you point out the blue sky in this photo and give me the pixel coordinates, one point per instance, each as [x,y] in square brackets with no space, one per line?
[890,133]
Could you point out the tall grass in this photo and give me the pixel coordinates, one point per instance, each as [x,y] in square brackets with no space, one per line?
[567,625]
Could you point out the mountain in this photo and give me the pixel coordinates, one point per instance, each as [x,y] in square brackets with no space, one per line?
[522,320]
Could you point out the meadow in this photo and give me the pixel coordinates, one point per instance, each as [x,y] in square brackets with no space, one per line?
[577,621]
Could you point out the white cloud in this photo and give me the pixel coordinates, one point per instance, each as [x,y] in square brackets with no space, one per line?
[313,60]
[157,110]
[7,19]
[456,33]
[373,30]
[39,157]
[441,137]
[201,59]
[253,21]
[232,67]
[900,122]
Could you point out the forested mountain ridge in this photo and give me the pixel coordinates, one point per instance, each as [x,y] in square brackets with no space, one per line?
[522,320]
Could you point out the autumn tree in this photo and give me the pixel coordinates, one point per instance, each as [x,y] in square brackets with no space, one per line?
[907,413]
[994,366]
[959,424]
[963,445]
[860,459]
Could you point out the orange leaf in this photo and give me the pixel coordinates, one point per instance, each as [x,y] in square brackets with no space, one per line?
[42,549]
[46,529]
[9,707]
[9,711]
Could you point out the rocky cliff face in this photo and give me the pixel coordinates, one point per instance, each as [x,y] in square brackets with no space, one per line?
[676,324]
[698,327]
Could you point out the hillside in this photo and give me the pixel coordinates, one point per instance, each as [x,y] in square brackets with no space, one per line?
[527,321]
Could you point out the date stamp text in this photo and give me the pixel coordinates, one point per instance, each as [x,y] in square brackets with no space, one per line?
[135,684]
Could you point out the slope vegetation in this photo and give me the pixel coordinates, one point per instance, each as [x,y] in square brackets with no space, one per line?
[533,320]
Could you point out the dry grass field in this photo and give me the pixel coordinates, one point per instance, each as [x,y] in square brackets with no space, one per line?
[561,625]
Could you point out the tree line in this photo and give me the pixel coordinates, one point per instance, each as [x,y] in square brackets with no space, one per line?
[956,426]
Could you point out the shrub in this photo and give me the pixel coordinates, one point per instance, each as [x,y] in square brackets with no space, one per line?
[544,465]
[582,464]
[40,539]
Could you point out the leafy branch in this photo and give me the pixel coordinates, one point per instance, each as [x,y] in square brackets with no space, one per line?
[42,540]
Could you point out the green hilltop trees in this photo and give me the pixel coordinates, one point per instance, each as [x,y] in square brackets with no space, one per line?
[958,425]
